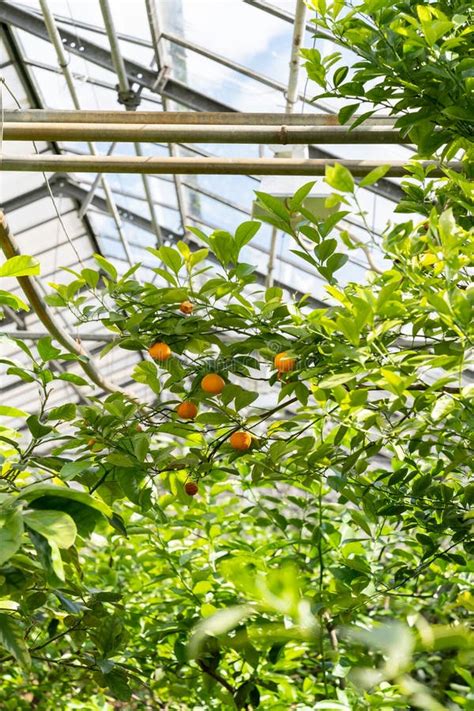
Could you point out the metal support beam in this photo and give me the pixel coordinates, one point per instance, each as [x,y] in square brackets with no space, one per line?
[175,39]
[188,118]
[33,94]
[154,22]
[92,191]
[36,335]
[296,42]
[131,100]
[29,22]
[55,38]
[205,166]
[291,99]
[146,133]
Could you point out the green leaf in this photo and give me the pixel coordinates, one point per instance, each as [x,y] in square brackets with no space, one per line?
[163,273]
[7,411]
[374,175]
[11,531]
[147,372]
[245,233]
[109,634]
[91,277]
[339,76]
[37,429]
[171,257]
[12,300]
[11,638]
[39,490]
[274,205]
[72,378]
[106,266]
[346,112]
[325,249]
[338,177]
[222,244]
[360,520]
[360,119]
[70,470]
[435,29]
[332,221]
[199,233]
[65,412]
[56,526]
[56,560]
[46,350]
[442,408]
[336,261]
[21,265]
[299,197]
[117,682]
[198,256]
[337,379]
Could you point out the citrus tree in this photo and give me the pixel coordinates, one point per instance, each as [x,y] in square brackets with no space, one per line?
[284,521]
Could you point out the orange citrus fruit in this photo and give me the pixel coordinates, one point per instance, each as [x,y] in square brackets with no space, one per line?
[187,410]
[160,351]
[186,307]
[240,440]
[213,384]
[191,488]
[284,363]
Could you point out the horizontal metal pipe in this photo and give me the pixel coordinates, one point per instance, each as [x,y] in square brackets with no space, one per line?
[214,118]
[143,133]
[202,166]
[36,335]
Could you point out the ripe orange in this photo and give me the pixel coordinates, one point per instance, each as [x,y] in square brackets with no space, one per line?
[187,410]
[213,384]
[186,307]
[240,440]
[284,363]
[191,488]
[160,351]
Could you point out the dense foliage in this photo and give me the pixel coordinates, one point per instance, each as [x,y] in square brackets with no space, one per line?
[323,557]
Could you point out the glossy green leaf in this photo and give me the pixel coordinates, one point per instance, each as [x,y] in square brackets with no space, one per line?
[12,639]
[338,177]
[56,526]
[20,265]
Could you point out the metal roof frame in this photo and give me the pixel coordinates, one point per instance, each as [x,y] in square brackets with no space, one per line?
[146,77]
[156,82]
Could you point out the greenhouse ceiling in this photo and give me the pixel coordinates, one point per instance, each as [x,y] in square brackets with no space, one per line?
[147,56]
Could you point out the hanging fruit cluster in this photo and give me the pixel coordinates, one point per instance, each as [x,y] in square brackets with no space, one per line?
[212,384]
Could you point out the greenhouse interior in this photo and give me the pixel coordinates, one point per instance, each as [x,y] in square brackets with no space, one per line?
[236,355]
